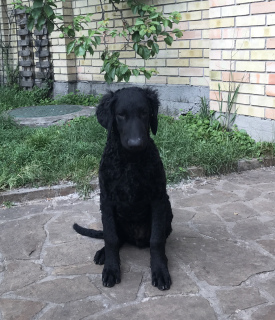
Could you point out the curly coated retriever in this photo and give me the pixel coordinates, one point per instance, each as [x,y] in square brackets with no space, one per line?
[133,199]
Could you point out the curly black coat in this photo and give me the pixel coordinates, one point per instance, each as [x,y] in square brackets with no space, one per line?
[134,203]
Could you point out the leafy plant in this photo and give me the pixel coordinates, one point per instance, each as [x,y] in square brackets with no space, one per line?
[142,37]
[228,117]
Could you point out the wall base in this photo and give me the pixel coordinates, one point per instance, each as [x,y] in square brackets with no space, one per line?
[175,99]
[259,129]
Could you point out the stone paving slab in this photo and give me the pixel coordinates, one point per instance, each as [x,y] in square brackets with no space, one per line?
[221,257]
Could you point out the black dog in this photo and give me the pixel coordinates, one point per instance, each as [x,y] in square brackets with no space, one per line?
[133,200]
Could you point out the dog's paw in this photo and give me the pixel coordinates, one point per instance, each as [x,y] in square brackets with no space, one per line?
[161,278]
[99,257]
[110,276]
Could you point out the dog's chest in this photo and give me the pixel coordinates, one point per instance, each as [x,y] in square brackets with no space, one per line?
[132,184]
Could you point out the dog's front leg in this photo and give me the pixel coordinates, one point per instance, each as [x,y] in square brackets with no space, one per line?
[160,274]
[111,270]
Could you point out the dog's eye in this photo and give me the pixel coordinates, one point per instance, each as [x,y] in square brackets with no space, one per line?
[121,116]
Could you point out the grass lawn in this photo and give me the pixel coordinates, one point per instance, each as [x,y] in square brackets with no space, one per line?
[44,156]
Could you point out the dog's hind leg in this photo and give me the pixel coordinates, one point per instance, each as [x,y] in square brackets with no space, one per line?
[99,257]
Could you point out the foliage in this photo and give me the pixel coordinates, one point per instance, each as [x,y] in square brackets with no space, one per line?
[142,37]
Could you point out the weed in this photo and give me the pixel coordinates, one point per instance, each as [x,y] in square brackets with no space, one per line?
[7,204]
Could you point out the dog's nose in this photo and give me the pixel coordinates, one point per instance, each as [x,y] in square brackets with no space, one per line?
[135,144]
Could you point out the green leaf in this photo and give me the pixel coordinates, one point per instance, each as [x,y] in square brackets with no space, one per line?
[140,51]
[71,33]
[168,40]
[146,53]
[158,29]
[135,47]
[123,69]
[153,15]
[150,43]
[127,76]
[112,73]
[165,23]
[79,50]
[30,23]
[142,32]
[97,40]
[107,78]
[36,12]
[107,67]
[40,22]
[139,22]
[91,50]
[50,26]
[135,72]
[147,74]
[136,36]
[135,9]
[48,10]
[70,47]
[37,3]
[156,48]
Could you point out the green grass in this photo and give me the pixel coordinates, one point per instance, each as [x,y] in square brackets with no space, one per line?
[72,152]
[35,157]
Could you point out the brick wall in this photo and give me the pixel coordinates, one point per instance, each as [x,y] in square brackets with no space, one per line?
[242,43]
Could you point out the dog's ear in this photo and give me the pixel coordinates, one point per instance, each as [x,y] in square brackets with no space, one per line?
[154,103]
[104,110]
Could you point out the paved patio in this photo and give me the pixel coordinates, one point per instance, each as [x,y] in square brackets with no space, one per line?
[221,257]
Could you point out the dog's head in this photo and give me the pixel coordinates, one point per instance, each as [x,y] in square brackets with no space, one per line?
[130,112]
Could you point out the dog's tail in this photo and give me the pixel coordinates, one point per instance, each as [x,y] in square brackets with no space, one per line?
[98,234]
